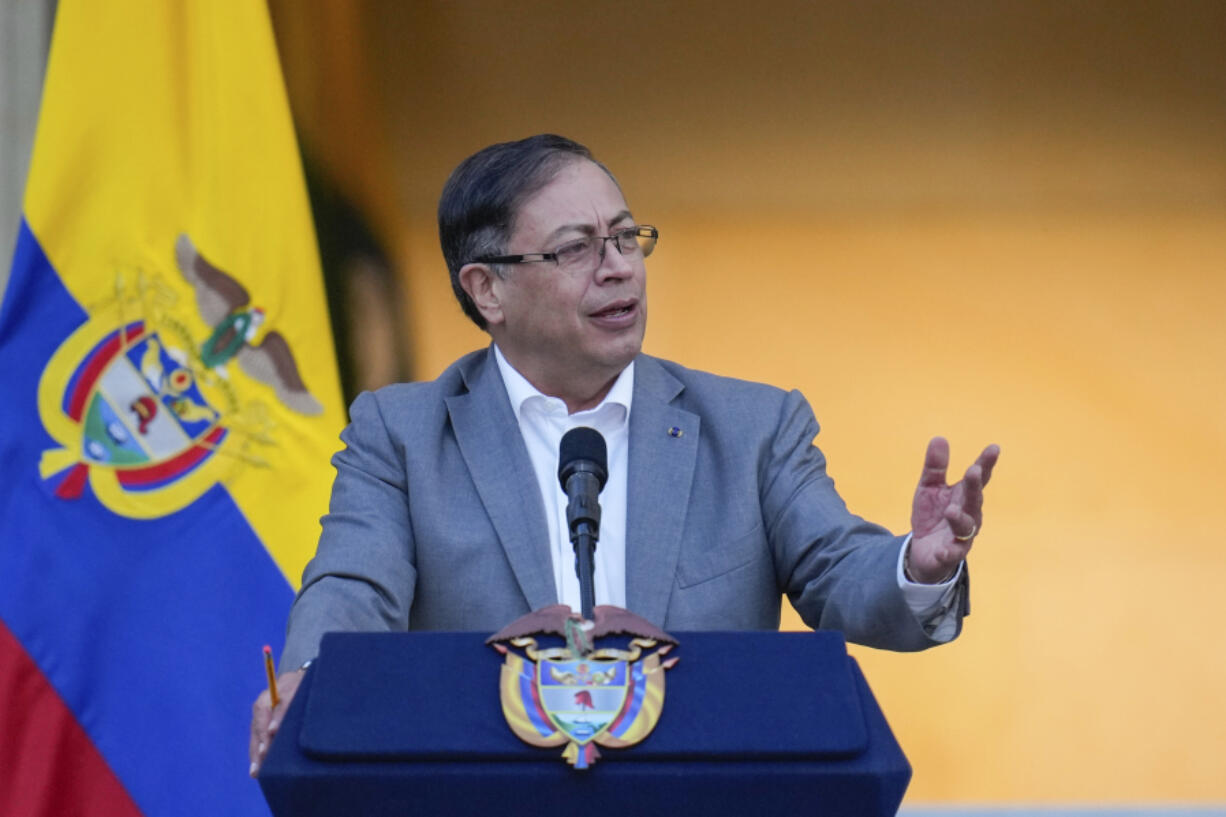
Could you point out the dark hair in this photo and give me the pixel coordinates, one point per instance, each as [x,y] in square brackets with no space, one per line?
[477,209]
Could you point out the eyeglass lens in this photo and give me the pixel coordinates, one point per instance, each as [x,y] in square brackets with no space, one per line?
[589,251]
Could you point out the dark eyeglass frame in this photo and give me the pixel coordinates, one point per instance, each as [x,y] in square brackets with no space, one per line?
[637,231]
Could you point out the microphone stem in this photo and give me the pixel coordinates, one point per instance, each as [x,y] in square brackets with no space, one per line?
[585,547]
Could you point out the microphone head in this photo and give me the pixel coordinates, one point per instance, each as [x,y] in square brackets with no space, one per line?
[583,449]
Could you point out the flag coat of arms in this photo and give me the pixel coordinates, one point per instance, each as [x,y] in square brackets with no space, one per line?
[168,406]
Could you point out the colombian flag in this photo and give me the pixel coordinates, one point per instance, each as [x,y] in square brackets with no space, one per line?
[168,405]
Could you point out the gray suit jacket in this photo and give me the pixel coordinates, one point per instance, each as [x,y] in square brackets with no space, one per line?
[436,520]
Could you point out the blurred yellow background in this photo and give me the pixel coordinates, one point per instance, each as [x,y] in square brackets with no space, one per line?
[996,221]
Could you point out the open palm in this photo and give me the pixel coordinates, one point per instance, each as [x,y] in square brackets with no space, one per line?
[945,518]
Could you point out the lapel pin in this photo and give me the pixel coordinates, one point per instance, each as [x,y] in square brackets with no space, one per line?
[675,432]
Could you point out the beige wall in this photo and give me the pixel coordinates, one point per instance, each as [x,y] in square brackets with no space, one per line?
[1000,222]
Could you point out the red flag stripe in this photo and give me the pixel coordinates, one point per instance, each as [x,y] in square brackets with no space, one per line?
[48,765]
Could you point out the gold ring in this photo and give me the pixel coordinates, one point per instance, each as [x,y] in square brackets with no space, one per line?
[969,536]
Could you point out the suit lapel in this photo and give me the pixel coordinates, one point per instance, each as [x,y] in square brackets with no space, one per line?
[494,451]
[663,450]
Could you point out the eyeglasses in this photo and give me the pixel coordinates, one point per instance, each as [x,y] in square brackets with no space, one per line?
[586,254]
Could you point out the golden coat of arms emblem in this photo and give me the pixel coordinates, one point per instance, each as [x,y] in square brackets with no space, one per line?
[582,695]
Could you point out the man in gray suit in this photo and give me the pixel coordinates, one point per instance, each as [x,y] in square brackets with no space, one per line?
[446,513]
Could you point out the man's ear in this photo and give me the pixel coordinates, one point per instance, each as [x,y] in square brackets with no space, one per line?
[478,281]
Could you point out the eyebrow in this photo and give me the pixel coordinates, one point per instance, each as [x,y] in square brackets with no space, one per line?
[587,228]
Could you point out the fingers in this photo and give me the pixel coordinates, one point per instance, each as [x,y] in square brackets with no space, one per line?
[972,492]
[973,482]
[264,725]
[987,461]
[936,463]
[936,467]
[963,526]
[964,513]
[261,716]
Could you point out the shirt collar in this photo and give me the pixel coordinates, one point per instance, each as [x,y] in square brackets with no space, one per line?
[520,391]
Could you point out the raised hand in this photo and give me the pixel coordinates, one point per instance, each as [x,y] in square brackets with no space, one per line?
[946,518]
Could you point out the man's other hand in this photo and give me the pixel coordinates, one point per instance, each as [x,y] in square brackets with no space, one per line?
[265,721]
[946,518]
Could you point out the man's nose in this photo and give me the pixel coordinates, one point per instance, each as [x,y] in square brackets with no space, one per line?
[612,263]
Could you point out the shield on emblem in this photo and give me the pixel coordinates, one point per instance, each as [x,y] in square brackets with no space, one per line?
[142,412]
[582,697]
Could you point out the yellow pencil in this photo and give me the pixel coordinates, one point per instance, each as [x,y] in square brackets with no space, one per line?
[272,675]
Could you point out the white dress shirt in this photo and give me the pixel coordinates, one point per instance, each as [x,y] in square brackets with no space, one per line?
[542,422]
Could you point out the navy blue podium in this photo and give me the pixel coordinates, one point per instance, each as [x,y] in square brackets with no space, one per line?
[753,723]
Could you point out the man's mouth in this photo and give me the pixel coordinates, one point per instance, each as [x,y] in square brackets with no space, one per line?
[615,310]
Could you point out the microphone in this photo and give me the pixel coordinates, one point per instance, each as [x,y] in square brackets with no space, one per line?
[583,469]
